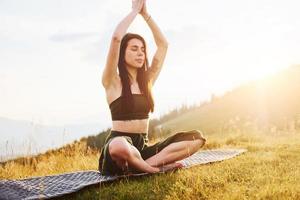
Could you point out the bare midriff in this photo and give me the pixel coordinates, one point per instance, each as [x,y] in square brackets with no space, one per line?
[131,126]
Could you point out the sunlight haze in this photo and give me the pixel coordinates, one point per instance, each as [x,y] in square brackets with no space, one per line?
[52,53]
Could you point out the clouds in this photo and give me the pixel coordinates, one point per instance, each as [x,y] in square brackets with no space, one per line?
[52,53]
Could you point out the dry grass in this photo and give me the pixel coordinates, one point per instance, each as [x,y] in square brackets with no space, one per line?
[75,157]
[269,170]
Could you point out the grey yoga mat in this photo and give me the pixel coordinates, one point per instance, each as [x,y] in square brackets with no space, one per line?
[45,187]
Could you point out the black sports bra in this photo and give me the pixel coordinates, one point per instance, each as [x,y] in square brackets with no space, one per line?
[140,109]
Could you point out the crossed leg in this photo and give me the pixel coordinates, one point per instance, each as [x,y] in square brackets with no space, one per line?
[175,151]
[125,154]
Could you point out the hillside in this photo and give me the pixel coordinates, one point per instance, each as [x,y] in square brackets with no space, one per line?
[269,170]
[262,117]
[268,104]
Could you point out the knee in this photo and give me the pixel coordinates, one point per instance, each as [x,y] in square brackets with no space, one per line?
[197,135]
[119,148]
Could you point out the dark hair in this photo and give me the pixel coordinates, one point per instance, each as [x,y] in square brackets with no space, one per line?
[142,75]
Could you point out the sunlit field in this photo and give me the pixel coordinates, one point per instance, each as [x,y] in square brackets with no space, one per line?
[229,69]
[262,117]
[269,170]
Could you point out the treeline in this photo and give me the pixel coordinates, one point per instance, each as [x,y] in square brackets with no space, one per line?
[153,123]
[97,141]
[270,104]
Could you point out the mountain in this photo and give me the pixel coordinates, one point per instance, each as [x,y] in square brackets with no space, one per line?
[20,138]
[272,103]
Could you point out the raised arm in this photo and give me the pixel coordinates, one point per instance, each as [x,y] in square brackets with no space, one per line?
[110,70]
[161,43]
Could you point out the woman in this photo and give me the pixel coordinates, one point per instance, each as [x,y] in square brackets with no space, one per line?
[130,100]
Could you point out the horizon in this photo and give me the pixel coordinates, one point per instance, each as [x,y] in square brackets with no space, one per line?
[24,138]
[60,53]
[183,104]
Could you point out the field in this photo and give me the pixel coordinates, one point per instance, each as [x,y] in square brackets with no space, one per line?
[269,170]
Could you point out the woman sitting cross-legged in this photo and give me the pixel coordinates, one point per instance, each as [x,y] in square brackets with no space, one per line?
[128,80]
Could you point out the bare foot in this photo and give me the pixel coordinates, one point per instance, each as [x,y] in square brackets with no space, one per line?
[201,137]
[203,141]
[171,166]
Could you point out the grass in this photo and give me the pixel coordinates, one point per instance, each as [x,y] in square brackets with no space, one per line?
[269,170]
[75,157]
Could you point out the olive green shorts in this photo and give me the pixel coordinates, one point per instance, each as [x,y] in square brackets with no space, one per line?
[140,140]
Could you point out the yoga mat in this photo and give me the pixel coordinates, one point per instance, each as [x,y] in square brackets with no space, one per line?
[45,187]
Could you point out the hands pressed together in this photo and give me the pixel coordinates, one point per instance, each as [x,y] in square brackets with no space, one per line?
[139,6]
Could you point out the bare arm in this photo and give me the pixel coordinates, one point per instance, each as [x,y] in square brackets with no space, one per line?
[161,43]
[110,71]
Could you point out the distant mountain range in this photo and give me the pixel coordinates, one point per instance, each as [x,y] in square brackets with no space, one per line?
[272,103]
[269,104]
[24,137]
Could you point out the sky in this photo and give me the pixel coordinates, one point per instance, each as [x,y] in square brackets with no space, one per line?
[52,52]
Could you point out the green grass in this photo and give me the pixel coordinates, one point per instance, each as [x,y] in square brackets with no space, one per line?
[269,170]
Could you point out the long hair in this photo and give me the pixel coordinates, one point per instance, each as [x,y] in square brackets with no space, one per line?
[142,75]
